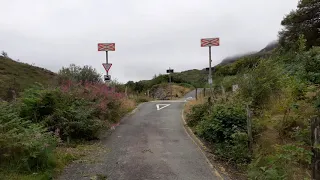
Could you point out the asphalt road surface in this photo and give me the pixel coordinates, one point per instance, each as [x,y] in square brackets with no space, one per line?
[149,144]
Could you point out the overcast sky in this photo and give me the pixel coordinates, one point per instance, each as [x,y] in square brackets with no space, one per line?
[150,35]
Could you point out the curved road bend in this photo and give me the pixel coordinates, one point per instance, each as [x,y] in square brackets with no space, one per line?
[149,144]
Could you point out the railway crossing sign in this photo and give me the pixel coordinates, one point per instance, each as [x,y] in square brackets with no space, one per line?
[206,42]
[107,66]
[106,46]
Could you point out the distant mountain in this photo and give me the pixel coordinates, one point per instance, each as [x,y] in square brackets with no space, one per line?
[271,46]
[232,59]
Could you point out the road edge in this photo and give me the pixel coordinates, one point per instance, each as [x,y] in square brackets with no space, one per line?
[203,149]
[126,116]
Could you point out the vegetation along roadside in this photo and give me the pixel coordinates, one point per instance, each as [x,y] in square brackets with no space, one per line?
[44,126]
[279,92]
[49,120]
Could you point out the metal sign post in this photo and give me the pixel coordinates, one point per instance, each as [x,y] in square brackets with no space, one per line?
[170,71]
[208,42]
[107,47]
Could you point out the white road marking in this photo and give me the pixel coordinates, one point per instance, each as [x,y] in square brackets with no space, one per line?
[163,106]
[169,101]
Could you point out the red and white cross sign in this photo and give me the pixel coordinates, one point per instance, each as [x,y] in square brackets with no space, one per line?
[106,46]
[210,42]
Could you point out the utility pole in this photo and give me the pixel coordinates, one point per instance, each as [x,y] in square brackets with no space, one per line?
[196,93]
[170,71]
[170,86]
[126,92]
[106,47]
[208,42]
[315,141]
[249,129]
[210,70]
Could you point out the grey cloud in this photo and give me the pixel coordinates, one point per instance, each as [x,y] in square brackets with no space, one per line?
[150,35]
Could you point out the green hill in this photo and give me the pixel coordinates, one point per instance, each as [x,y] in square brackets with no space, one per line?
[199,78]
[19,76]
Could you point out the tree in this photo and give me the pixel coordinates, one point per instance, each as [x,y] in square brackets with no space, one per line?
[155,76]
[79,74]
[303,21]
[130,84]
[4,54]
[139,87]
[87,73]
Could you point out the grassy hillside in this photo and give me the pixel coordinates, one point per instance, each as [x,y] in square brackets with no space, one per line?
[195,77]
[191,79]
[19,76]
[164,91]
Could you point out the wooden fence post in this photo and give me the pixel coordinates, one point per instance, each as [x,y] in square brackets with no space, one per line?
[196,93]
[204,92]
[315,140]
[126,92]
[249,129]
[223,93]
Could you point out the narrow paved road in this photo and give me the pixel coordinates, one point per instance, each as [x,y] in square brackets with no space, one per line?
[150,144]
[192,94]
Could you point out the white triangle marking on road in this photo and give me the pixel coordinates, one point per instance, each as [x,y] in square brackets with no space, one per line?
[163,106]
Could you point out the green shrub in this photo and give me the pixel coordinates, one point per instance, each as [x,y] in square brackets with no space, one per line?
[79,74]
[235,150]
[225,127]
[141,99]
[228,81]
[304,65]
[287,126]
[76,121]
[302,134]
[38,102]
[258,127]
[24,146]
[112,112]
[317,103]
[258,84]
[186,85]
[197,113]
[280,165]
[312,66]
[223,121]
[74,116]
